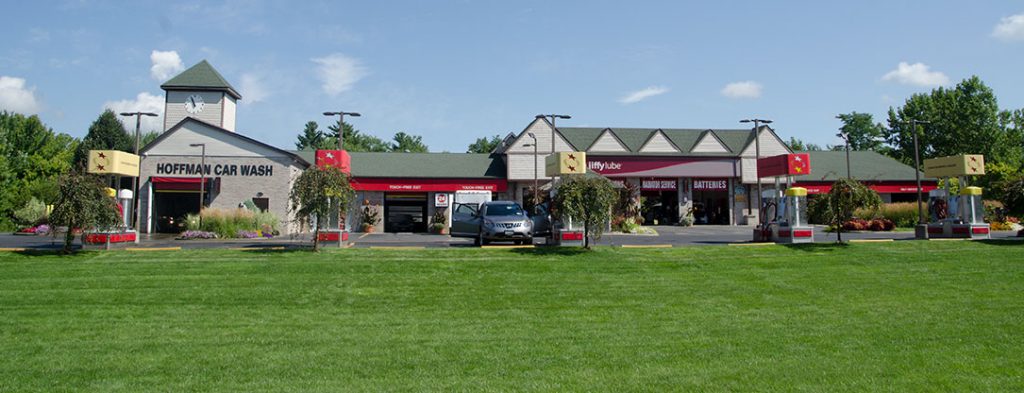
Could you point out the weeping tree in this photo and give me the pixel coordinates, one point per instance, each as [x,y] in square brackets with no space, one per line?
[847,196]
[586,199]
[82,203]
[316,192]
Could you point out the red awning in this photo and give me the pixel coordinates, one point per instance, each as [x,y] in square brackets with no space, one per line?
[429,185]
[881,187]
[182,183]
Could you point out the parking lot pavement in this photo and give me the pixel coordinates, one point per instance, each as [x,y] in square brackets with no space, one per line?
[667,236]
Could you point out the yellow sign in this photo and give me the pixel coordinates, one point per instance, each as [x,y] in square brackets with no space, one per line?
[566,163]
[796,191]
[952,166]
[113,162]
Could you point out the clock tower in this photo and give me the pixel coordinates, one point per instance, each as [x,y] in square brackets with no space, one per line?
[202,93]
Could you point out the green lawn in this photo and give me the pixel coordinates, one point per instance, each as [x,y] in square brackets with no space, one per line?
[903,316]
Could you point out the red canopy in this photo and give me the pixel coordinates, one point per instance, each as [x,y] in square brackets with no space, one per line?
[181,183]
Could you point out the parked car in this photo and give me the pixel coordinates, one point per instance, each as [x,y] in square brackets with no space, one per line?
[492,221]
[542,220]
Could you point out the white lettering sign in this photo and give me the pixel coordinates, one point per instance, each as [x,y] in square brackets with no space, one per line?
[710,185]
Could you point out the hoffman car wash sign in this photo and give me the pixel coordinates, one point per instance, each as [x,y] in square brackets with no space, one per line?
[215,169]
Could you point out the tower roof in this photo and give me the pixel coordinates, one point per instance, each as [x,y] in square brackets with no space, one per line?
[201,76]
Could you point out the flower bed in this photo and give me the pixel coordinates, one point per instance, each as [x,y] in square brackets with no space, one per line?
[38,230]
[876,225]
[194,234]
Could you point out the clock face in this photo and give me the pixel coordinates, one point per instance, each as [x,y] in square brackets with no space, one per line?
[194,104]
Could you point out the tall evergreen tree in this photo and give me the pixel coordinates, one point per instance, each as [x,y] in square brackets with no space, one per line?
[405,143]
[106,133]
[354,140]
[312,138]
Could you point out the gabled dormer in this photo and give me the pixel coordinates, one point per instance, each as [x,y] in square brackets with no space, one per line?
[200,92]
[709,143]
[658,142]
[607,142]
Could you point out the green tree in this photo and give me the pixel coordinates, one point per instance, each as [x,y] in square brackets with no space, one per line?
[484,145]
[312,138]
[405,143]
[964,119]
[864,134]
[586,199]
[316,193]
[32,157]
[356,141]
[106,133]
[845,197]
[82,203]
[147,138]
[799,145]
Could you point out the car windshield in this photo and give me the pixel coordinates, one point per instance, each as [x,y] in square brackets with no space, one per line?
[504,210]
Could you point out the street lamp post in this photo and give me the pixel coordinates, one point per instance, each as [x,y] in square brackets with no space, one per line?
[846,138]
[202,181]
[135,180]
[343,223]
[554,129]
[917,175]
[341,123]
[536,188]
[757,156]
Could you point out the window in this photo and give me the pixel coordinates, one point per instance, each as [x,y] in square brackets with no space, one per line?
[504,210]
[462,208]
[262,203]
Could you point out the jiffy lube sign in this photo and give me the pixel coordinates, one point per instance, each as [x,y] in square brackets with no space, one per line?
[662,166]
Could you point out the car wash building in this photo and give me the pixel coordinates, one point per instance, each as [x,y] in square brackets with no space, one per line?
[893,180]
[199,156]
[709,172]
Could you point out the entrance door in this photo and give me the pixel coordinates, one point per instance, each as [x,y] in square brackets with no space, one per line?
[711,201]
[711,207]
[170,208]
[405,212]
[662,206]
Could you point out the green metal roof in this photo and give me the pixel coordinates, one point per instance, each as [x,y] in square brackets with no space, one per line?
[201,76]
[864,165]
[634,138]
[422,165]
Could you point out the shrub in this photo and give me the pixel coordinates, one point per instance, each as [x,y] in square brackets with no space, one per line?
[903,215]
[234,223]
[267,222]
[33,213]
[370,215]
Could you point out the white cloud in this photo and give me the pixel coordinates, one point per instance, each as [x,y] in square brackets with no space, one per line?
[744,89]
[917,74]
[15,97]
[165,65]
[643,94]
[253,89]
[144,102]
[1010,28]
[339,72]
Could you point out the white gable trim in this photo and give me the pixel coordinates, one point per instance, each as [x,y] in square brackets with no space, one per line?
[770,144]
[602,139]
[219,143]
[545,147]
[709,143]
[663,140]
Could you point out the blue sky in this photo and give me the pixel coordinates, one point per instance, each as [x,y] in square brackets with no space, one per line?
[454,71]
